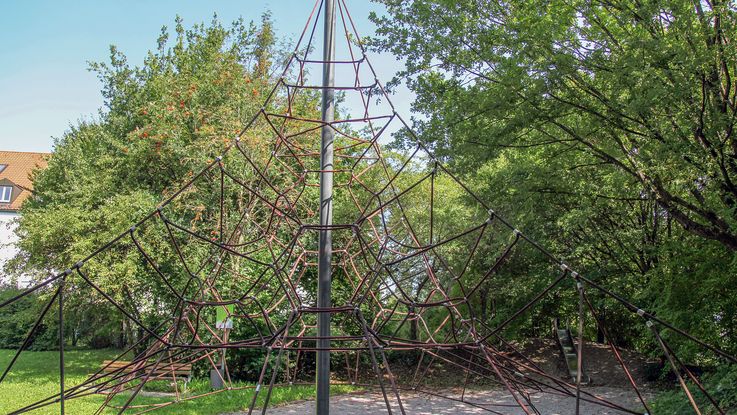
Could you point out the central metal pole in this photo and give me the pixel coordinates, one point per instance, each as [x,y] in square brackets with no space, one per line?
[326,214]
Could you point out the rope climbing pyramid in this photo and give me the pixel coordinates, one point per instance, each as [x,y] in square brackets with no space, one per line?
[410,258]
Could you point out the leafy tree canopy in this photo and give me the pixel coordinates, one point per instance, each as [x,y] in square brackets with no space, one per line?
[605,129]
[160,125]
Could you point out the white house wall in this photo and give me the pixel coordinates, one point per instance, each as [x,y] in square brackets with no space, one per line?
[7,245]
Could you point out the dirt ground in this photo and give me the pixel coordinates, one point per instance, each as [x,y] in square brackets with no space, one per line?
[599,363]
[608,381]
[487,402]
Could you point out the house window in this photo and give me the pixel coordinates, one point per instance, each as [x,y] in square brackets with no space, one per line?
[6,193]
[2,167]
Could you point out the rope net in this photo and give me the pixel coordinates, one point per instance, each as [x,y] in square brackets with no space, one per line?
[410,256]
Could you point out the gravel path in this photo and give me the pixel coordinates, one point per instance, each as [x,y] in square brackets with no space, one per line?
[498,401]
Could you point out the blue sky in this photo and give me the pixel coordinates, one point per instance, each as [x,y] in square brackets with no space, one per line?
[45,46]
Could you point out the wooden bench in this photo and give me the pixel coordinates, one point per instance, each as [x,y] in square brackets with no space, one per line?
[163,371]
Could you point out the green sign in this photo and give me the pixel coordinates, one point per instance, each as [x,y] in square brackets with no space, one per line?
[224,317]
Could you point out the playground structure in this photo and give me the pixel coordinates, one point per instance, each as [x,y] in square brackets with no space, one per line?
[568,351]
[403,269]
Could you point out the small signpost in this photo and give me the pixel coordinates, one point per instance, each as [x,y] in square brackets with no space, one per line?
[223,321]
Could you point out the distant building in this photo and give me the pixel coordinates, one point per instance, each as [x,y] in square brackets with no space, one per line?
[15,187]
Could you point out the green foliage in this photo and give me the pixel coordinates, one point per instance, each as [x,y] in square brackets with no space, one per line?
[605,132]
[162,122]
[18,318]
[720,385]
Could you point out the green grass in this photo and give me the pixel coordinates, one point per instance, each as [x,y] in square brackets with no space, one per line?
[36,376]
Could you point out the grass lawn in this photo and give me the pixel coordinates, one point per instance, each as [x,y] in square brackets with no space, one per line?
[35,376]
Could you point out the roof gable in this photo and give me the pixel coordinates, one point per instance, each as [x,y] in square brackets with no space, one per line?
[17,170]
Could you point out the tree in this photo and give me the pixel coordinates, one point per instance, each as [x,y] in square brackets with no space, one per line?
[644,89]
[160,124]
[598,127]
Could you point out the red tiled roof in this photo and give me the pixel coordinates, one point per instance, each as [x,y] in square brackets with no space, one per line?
[17,171]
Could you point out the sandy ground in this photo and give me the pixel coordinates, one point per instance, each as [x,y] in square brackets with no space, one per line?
[489,402]
[608,381]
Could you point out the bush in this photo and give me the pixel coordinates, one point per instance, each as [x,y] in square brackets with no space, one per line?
[721,384]
[17,319]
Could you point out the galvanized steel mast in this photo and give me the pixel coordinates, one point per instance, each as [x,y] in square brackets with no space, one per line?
[326,213]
